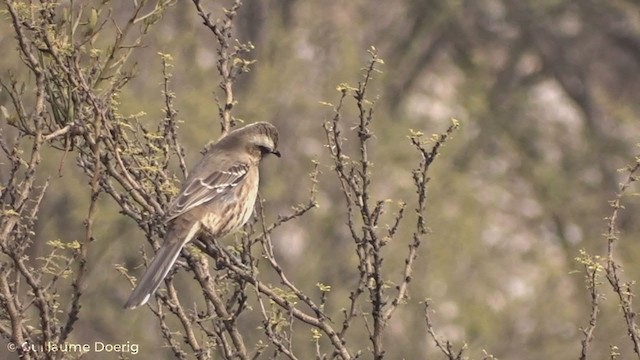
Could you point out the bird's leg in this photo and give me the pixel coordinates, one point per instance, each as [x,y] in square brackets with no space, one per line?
[210,246]
[207,245]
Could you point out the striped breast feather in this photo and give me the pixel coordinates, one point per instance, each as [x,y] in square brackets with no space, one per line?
[205,188]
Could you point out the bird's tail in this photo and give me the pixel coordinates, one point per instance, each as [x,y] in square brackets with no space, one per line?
[160,266]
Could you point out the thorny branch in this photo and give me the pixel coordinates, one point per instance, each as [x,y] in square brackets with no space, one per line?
[355,179]
[593,269]
[595,265]
[230,63]
[70,112]
[622,289]
[444,345]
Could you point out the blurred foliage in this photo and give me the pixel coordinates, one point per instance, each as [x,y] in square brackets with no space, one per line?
[546,93]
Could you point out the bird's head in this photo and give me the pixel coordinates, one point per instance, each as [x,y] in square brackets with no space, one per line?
[260,138]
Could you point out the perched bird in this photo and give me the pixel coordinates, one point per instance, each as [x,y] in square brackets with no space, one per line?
[218,196]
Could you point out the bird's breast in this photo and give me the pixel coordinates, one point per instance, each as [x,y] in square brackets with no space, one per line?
[223,218]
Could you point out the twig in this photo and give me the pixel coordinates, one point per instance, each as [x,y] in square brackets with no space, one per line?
[444,345]
[623,290]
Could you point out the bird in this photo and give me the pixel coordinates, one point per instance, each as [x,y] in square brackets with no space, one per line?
[218,196]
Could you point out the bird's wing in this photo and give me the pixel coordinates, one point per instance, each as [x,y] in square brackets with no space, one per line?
[206,187]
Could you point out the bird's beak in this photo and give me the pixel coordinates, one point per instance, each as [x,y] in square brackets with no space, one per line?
[276,153]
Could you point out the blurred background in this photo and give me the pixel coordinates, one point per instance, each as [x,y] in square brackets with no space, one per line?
[547,96]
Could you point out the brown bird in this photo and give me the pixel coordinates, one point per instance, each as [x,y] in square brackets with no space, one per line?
[218,196]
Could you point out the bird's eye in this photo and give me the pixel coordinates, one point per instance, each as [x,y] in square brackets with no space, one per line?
[264,150]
